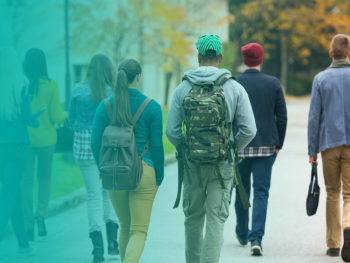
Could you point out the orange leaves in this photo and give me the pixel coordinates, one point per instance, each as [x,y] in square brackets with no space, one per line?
[307,24]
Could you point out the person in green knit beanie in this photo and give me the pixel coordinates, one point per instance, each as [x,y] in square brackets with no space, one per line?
[44,96]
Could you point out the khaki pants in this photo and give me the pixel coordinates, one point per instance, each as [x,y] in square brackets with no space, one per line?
[133,209]
[205,199]
[336,170]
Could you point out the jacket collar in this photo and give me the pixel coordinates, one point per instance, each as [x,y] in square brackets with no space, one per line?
[250,70]
[340,63]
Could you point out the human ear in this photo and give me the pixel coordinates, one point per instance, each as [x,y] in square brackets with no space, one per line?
[221,58]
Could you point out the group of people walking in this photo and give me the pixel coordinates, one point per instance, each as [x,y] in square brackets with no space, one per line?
[227,131]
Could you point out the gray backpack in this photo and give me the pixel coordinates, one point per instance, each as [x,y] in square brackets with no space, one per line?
[120,163]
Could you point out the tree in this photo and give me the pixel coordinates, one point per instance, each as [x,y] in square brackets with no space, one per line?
[159,31]
[289,29]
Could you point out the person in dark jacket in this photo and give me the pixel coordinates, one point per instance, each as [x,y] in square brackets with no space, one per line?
[15,115]
[269,107]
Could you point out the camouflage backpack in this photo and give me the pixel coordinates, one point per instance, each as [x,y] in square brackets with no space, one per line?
[207,126]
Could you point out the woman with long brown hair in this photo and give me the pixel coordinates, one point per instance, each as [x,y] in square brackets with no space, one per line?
[133,207]
[101,77]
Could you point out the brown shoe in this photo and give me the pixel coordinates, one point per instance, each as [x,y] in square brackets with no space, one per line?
[333,252]
[345,251]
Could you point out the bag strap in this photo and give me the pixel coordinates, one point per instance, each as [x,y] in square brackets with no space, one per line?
[145,149]
[108,108]
[137,116]
[141,109]
[241,191]
[223,78]
[314,173]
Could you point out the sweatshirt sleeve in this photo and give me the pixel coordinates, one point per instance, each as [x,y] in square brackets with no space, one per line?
[57,115]
[280,114]
[314,120]
[244,121]
[156,143]
[174,121]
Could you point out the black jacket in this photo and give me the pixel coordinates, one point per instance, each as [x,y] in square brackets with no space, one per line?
[269,107]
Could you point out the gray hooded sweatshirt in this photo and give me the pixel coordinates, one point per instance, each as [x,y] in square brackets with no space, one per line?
[239,109]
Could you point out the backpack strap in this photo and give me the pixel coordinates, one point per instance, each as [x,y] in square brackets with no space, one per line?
[137,116]
[223,78]
[241,190]
[107,103]
[141,109]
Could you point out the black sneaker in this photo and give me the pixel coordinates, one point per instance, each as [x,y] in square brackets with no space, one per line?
[256,248]
[242,241]
[41,227]
[345,251]
[333,252]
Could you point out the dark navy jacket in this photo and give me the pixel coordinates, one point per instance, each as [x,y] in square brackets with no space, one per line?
[269,107]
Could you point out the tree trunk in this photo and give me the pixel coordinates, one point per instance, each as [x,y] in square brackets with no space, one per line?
[284,61]
[168,76]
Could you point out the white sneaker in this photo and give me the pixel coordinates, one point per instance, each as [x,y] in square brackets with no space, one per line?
[256,248]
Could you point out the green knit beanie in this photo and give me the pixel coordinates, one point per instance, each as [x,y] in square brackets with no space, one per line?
[209,45]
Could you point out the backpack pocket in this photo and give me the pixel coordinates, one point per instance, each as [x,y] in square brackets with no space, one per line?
[115,177]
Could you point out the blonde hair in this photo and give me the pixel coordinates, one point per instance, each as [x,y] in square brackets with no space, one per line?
[12,83]
[340,46]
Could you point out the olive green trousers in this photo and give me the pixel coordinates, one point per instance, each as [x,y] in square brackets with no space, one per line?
[205,200]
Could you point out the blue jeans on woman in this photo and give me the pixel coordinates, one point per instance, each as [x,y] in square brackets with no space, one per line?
[260,168]
[13,158]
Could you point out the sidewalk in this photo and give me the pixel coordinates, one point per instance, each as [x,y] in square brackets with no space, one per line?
[290,237]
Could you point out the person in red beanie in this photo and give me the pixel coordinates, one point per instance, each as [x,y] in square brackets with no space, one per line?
[269,107]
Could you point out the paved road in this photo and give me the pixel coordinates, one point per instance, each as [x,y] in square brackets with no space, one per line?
[291,235]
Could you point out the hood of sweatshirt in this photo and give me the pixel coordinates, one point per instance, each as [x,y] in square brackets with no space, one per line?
[205,74]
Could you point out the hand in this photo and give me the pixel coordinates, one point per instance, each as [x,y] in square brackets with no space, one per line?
[277,151]
[313,159]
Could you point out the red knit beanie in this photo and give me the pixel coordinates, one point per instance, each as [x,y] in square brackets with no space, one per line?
[252,54]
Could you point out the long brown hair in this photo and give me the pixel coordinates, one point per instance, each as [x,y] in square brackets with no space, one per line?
[127,72]
[35,68]
[100,73]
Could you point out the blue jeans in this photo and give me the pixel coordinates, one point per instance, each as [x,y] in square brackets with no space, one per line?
[261,168]
[99,205]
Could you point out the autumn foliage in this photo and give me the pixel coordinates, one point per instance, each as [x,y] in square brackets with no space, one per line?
[295,33]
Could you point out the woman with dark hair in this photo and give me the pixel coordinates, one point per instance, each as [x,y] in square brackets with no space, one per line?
[133,207]
[101,78]
[15,114]
[44,95]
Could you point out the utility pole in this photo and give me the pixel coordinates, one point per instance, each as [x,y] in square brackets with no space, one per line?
[68,78]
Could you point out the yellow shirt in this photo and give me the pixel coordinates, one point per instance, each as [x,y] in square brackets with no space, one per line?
[47,96]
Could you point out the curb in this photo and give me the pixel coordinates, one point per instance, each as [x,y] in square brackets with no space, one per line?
[74,199]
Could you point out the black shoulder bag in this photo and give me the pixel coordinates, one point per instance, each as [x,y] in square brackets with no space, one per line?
[313,193]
